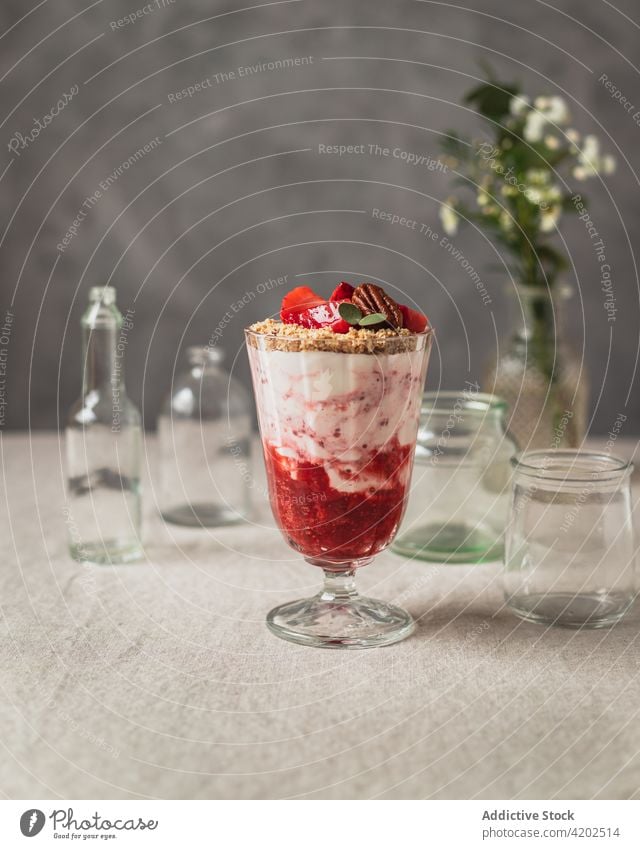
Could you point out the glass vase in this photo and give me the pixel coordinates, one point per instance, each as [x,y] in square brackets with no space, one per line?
[204,432]
[461,480]
[539,375]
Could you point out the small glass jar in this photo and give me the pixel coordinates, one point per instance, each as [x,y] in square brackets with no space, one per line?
[570,554]
[204,432]
[459,499]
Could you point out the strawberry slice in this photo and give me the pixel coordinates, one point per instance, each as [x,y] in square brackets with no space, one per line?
[324,314]
[413,320]
[296,301]
[342,292]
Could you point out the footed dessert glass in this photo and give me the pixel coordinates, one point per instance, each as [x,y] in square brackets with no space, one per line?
[338,430]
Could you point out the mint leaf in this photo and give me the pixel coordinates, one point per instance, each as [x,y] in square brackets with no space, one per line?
[372,318]
[350,313]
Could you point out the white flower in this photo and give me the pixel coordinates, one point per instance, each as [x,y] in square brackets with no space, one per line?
[534,195]
[534,126]
[553,194]
[519,104]
[590,149]
[552,142]
[557,111]
[506,221]
[537,176]
[482,199]
[547,110]
[573,136]
[549,219]
[449,219]
[590,162]
[553,108]
[543,194]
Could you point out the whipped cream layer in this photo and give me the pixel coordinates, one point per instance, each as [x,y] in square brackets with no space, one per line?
[338,410]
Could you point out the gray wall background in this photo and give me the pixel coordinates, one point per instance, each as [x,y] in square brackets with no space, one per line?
[235,191]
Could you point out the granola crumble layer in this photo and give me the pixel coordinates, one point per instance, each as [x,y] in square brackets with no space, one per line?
[292,337]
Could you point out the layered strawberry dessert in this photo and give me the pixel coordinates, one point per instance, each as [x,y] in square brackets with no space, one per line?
[338,386]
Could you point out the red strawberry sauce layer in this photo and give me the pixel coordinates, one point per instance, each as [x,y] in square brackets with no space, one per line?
[335,526]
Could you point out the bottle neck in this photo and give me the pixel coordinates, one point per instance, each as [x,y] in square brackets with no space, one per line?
[203,358]
[538,335]
[103,364]
[539,314]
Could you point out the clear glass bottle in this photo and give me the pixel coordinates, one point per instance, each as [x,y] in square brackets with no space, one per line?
[539,375]
[461,480]
[103,440]
[204,432]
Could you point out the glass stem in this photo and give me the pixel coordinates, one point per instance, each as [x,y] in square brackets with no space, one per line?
[339,586]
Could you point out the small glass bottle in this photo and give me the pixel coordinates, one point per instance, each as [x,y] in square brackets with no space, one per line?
[204,432]
[103,440]
[460,488]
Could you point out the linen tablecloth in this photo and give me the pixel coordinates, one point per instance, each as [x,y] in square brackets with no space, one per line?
[160,679]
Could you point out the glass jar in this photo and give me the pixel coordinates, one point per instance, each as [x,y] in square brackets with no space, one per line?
[204,432]
[570,553]
[460,488]
[539,375]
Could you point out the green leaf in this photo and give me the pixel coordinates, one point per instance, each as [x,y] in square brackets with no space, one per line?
[350,313]
[372,318]
[491,101]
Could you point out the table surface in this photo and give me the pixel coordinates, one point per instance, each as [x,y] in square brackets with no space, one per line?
[160,679]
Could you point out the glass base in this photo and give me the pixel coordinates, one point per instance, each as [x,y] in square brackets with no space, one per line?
[338,618]
[202,516]
[107,552]
[453,543]
[589,610]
